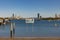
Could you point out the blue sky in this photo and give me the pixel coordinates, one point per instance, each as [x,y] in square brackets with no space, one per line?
[29,8]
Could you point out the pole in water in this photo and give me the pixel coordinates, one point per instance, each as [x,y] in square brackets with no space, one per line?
[13,28]
[11,31]
[11,34]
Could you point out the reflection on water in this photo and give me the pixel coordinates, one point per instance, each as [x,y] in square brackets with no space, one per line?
[2,27]
[42,28]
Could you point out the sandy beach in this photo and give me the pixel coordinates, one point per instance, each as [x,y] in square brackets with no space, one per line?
[17,38]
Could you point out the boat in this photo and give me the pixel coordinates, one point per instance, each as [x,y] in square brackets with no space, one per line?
[29,20]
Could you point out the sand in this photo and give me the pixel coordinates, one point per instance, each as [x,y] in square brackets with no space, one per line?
[17,38]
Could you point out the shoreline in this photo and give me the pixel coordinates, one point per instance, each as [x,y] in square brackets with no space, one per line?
[19,38]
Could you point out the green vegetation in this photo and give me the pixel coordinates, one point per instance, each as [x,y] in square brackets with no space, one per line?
[50,18]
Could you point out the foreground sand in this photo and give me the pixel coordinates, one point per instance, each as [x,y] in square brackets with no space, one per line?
[30,38]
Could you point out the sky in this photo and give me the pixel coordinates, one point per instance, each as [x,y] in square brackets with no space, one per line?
[29,8]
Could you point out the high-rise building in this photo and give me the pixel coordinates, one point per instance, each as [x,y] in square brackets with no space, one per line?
[13,15]
[38,15]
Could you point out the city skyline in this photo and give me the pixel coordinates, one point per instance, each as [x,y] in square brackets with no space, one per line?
[29,8]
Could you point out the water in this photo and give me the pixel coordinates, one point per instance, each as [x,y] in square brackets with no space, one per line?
[42,28]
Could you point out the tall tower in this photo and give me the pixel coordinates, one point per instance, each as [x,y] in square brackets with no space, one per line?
[13,15]
[38,15]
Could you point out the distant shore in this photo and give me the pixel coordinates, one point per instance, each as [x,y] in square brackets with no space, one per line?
[6,20]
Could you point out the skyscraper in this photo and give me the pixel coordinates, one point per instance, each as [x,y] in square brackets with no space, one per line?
[38,15]
[13,15]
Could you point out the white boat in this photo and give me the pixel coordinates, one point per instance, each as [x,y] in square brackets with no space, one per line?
[29,20]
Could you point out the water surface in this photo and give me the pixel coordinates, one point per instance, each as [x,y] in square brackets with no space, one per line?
[42,28]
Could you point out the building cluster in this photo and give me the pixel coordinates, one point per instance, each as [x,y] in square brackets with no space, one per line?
[19,17]
[15,17]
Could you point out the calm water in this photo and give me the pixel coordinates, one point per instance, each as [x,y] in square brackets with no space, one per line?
[42,28]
